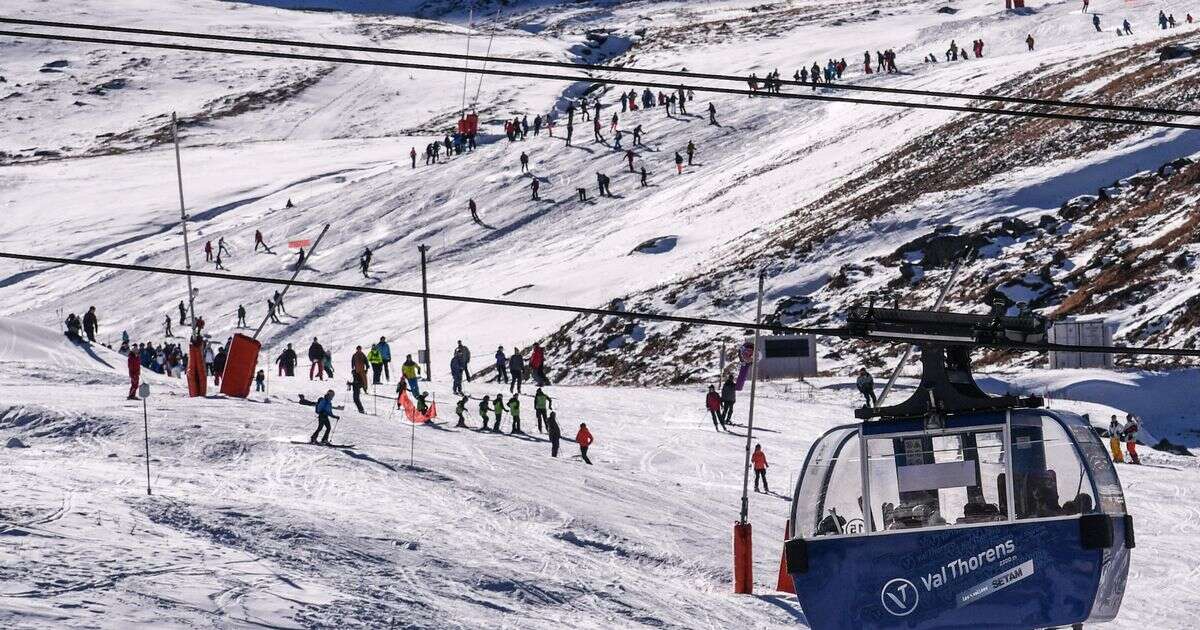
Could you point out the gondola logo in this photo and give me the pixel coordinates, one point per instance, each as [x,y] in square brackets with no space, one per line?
[899,597]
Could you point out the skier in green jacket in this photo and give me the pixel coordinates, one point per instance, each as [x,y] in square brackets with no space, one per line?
[514,409]
[541,405]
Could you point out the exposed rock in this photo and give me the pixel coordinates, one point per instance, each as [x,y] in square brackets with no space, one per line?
[658,245]
[15,442]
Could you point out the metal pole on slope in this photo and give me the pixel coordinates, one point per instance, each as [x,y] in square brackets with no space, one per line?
[425,309]
[144,391]
[743,542]
[187,253]
[887,389]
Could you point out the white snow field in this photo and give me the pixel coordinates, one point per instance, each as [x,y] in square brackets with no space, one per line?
[247,529]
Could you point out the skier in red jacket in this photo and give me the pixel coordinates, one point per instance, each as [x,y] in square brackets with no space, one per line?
[537,362]
[759,459]
[584,439]
[135,374]
[712,402]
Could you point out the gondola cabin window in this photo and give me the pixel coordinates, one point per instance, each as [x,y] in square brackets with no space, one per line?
[1049,478]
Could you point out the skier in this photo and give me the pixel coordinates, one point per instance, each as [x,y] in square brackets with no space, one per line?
[637,136]
[1130,430]
[537,363]
[461,407]
[1029,41]
[596,132]
[533,187]
[221,249]
[498,410]
[501,366]
[271,313]
[219,264]
[1125,25]
[678,163]
[516,370]
[241,313]
[300,259]
[584,438]
[182,314]
[260,242]
[260,380]
[712,115]
[643,177]
[483,412]
[208,251]
[385,352]
[1114,440]
[554,433]
[712,402]
[327,363]
[1085,6]
[613,126]
[1162,20]
[412,155]
[167,326]
[691,151]
[375,358]
[617,140]
[91,325]
[866,387]
[629,159]
[1096,21]
[324,411]
[474,211]
[135,373]
[537,125]
[514,410]
[867,62]
[218,365]
[278,297]
[759,459]
[287,361]
[364,261]
[316,355]
[456,373]
[728,397]
[410,370]
[541,403]
[602,183]
[524,162]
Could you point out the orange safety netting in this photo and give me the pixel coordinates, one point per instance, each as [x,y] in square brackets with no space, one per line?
[414,416]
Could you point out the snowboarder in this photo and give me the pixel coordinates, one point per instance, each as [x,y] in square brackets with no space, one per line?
[514,410]
[501,366]
[553,432]
[712,115]
[712,402]
[516,371]
[866,387]
[410,370]
[316,355]
[324,411]
[728,397]
[1114,440]
[541,404]
[375,358]
[1130,431]
[759,459]
[629,159]
[91,325]
[584,438]
[678,163]
[474,211]
[241,317]
[135,373]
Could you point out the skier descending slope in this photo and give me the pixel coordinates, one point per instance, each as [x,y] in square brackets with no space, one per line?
[324,411]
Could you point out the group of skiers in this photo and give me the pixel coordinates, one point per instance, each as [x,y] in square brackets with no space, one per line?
[1128,432]
[720,405]
[513,370]
[452,144]
[89,324]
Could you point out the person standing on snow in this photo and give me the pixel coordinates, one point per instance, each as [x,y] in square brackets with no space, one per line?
[498,410]
[524,162]
[167,326]
[460,409]
[1029,41]
[385,352]
[728,397]
[541,403]
[208,251]
[375,358]
[553,432]
[411,370]
[1096,21]
[271,313]
[1114,440]
[514,410]
[1125,25]
[134,364]
[91,325]
[712,402]
[464,357]
[456,374]
[584,439]
[260,242]
[260,381]
[1130,431]
[358,365]
[691,151]
[241,313]
[629,158]
[278,298]
[637,136]
[866,387]
[324,411]
[412,155]
[316,356]
[644,181]
[218,365]
[516,371]
[759,459]
[287,361]
[501,366]
[534,184]
[182,314]
[712,115]
[537,363]
[483,412]
[678,163]
[596,132]
[221,249]
[364,261]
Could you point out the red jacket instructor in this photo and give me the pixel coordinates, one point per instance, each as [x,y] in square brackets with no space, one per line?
[135,374]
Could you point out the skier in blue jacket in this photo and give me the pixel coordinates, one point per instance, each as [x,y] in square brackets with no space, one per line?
[386,351]
[324,413]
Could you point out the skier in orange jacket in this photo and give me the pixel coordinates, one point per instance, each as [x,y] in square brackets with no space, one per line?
[759,459]
[584,438]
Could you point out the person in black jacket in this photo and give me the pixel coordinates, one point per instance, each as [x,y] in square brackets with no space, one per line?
[728,397]
[90,324]
[516,371]
[316,354]
[553,431]
[287,362]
